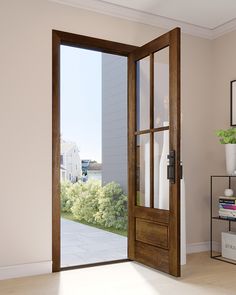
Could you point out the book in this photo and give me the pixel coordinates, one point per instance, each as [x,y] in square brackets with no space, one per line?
[225,212]
[227,206]
[227,200]
[227,217]
[225,197]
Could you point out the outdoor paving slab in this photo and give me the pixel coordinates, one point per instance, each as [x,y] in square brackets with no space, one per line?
[84,244]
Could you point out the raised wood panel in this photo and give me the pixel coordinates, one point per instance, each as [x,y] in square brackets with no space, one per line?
[151,233]
[162,216]
[152,256]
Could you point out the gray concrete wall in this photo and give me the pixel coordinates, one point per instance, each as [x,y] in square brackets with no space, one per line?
[114,119]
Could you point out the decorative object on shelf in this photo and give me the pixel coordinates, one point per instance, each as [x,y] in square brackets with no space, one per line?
[233,103]
[226,213]
[228,192]
[228,244]
[227,207]
[228,138]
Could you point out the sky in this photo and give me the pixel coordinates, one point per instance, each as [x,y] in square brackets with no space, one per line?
[81,100]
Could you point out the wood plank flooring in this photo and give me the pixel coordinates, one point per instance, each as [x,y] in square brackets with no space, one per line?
[201,275]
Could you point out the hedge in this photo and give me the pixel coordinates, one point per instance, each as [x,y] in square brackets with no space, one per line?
[91,202]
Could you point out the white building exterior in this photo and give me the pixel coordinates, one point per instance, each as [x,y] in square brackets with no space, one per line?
[70,169]
[114,119]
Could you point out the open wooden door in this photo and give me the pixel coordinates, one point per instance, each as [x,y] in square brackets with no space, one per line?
[154,154]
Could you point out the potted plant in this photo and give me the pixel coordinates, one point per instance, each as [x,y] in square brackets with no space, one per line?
[228,138]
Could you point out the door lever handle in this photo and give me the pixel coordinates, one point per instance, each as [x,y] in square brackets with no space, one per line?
[181,170]
[171,167]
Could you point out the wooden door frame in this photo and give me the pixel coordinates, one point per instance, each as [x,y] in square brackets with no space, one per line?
[79,41]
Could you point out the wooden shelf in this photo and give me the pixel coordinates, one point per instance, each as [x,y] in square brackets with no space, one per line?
[213,255]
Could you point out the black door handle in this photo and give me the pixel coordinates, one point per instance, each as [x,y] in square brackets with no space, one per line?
[171,167]
[181,170]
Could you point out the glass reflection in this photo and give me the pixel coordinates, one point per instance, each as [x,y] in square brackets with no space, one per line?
[143,170]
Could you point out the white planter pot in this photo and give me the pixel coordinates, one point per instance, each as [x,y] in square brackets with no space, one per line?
[230,156]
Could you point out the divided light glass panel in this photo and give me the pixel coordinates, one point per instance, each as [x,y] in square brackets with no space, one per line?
[143,93]
[161,183]
[161,88]
[143,170]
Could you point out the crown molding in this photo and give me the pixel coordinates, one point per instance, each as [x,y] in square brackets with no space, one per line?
[107,8]
[224,29]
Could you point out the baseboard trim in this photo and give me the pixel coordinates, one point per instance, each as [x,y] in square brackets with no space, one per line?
[202,247]
[24,270]
[44,267]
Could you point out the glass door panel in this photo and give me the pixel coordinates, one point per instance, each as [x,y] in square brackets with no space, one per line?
[161,88]
[161,183]
[143,93]
[143,170]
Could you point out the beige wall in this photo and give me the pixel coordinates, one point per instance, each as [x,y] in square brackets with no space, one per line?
[25,119]
[197,135]
[224,70]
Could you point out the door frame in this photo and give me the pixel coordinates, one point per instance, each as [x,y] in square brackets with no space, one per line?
[80,41]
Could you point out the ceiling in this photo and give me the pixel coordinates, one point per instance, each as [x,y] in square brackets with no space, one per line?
[205,13]
[205,18]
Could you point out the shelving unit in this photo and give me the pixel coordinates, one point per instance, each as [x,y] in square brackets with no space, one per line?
[219,256]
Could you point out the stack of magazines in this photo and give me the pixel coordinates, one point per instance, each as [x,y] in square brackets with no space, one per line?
[227,208]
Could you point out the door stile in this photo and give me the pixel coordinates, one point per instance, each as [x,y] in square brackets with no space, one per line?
[132,156]
[151,133]
[174,219]
[56,224]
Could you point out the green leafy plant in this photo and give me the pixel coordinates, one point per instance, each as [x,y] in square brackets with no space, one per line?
[227,136]
[96,204]
[112,208]
[65,196]
[85,204]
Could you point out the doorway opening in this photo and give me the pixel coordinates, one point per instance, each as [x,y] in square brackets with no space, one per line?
[88,198]
[89,148]
[93,156]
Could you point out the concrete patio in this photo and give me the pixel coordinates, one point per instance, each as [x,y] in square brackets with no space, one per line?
[83,244]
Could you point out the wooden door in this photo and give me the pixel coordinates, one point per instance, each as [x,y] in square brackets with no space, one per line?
[154,136]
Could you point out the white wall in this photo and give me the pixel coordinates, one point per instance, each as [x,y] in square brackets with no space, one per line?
[25,121]
[114,120]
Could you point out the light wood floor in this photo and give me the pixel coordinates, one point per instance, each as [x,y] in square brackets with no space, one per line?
[201,275]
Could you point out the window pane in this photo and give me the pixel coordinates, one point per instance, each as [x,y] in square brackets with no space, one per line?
[161,183]
[143,93]
[161,88]
[143,170]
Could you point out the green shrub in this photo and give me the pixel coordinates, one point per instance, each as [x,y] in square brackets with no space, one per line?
[112,209]
[69,193]
[85,204]
[65,197]
[95,204]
